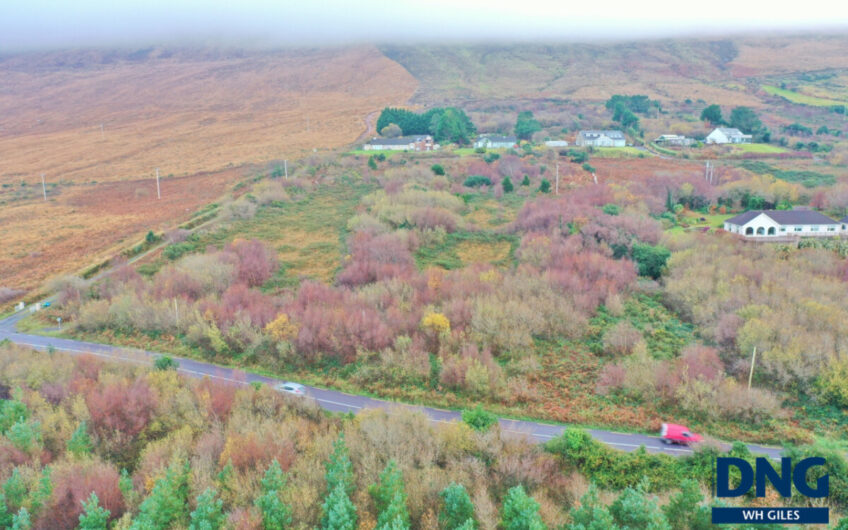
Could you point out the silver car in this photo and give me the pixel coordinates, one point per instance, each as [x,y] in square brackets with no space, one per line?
[291,388]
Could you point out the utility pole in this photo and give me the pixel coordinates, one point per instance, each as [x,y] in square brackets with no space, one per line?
[556,192]
[43,187]
[286,168]
[102,136]
[595,178]
[176,313]
[751,374]
[158,194]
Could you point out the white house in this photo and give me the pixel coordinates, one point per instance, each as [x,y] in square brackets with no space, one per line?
[556,143]
[784,223]
[402,143]
[600,138]
[489,141]
[727,135]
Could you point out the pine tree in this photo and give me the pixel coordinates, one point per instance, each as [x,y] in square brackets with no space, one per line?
[390,498]
[339,511]
[457,509]
[14,490]
[545,186]
[93,517]
[276,515]
[632,509]
[591,514]
[339,468]
[167,504]
[526,181]
[21,520]
[209,514]
[43,492]
[684,510]
[507,186]
[5,516]
[520,511]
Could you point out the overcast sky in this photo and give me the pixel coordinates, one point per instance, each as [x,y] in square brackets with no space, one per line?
[26,24]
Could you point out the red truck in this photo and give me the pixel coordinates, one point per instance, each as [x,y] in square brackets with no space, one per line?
[678,434]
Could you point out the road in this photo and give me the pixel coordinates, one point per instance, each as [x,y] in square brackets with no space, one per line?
[338,401]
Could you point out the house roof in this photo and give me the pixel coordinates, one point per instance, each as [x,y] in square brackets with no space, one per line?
[785,217]
[498,139]
[400,140]
[844,219]
[731,131]
[615,135]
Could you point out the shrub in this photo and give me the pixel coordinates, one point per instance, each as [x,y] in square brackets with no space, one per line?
[475,181]
[650,259]
[437,169]
[545,186]
[165,362]
[479,419]
[507,186]
[610,209]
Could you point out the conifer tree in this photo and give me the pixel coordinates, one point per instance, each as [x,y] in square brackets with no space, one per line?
[276,515]
[167,504]
[209,514]
[520,511]
[93,516]
[21,520]
[339,511]
[390,498]
[457,509]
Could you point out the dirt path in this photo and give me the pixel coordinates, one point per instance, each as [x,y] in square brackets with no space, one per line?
[369,128]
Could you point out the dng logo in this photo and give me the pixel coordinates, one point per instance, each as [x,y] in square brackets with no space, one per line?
[761,474]
[764,472]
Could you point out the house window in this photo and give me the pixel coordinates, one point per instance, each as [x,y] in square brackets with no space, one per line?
[783,229]
[799,229]
[831,229]
[814,229]
[761,231]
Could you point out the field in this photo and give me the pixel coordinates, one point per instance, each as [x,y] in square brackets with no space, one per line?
[799,97]
[197,115]
[757,148]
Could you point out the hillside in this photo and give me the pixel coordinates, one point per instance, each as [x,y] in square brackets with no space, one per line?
[197,115]
[668,70]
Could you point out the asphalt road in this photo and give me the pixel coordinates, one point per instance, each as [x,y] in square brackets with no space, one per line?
[339,401]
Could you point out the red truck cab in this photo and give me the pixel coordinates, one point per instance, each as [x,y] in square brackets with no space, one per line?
[678,434]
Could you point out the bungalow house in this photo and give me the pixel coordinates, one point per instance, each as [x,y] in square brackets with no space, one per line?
[600,138]
[673,139]
[727,135]
[402,143]
[489,141]
[556,143]
[784,223]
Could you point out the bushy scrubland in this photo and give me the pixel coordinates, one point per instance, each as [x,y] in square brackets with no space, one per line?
[86,443]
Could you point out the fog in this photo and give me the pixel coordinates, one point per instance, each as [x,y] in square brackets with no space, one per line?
[47,24]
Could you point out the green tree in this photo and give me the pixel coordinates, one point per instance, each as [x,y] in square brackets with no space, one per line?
[5,516]
[14,490]
[125,484]
[626,117]
[507,186]
[610,209]
[545,186]
[21,520]
[209,514]
[151,238]
[437,169]
[520,511]
[80,442]
[24,434]
[650,259]
[93,516]
[632,509]
[684,510]
[389,497]
[713,115]
[391,130]
[339,468]
[745,119]
[591,514]
[526,125]
[435,371]
[167,504]
[525,181]
[43,491]
[165,362]
[457,508]
[479,419]
[339,512]
[452,125]
[372,163]
[276,515]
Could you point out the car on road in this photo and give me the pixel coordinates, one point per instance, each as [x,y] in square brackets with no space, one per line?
[671,433]
[291,388]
